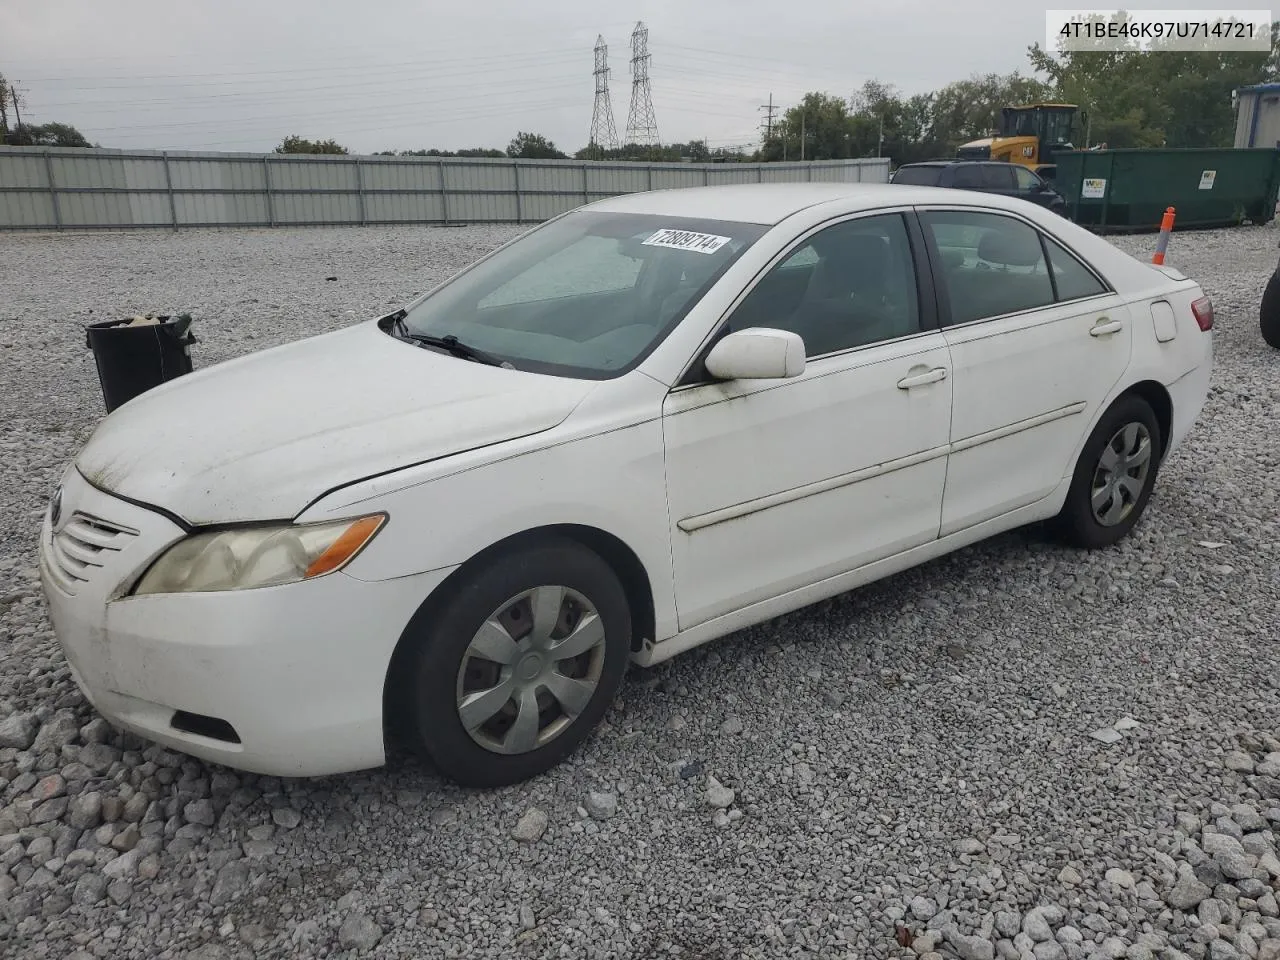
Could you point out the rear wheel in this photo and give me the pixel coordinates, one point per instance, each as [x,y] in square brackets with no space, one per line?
[519,666]
[1114,476]
[1269,311]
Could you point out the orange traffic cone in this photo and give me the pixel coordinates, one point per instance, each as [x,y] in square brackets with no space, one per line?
[1166,228]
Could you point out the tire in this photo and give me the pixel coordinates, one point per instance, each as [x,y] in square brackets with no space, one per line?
[1079,523]
[446,677]
[1269,311]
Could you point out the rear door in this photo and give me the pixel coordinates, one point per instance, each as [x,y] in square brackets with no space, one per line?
[999,178]
[1034,354]
[966,176]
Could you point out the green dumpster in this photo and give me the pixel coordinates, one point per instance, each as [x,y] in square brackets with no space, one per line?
[1128,190]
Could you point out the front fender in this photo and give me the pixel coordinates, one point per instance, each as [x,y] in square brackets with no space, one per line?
[614,482]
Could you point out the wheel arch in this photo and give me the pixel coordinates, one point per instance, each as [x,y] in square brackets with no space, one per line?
[621,559]
[1157,396]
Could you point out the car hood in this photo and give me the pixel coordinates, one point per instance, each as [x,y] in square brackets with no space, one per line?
[262,436]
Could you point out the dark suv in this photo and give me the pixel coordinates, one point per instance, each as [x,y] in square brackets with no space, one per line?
[988,176]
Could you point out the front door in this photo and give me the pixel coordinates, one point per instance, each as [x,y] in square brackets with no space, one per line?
[1034,356]
[776,484]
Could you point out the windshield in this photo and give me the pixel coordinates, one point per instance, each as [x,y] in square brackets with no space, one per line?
[588,295]
[918,176]
[1057,126]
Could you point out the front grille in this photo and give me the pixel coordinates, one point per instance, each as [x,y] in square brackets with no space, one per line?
[81,548]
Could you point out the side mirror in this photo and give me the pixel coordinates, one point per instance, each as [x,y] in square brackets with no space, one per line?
[757,353]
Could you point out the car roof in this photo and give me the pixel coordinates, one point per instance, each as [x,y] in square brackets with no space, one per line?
[771,203]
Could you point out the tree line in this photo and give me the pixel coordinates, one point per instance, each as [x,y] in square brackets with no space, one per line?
[1127,97]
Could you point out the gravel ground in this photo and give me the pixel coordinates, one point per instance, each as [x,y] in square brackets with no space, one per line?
[919,767]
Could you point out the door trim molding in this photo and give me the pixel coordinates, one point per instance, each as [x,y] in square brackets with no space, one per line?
[701,521]
[1008,430]
[746,508]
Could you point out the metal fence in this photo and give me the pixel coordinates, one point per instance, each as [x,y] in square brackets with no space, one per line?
[50,188]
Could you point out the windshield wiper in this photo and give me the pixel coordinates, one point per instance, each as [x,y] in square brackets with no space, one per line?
[450,343]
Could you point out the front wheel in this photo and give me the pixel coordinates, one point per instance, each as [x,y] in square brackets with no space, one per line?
[1114,476]
[1269,311]
[518,667]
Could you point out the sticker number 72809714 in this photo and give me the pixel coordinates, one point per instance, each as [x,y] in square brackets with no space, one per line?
[687,240]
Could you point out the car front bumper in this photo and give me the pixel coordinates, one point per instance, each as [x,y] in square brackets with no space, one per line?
[285,681]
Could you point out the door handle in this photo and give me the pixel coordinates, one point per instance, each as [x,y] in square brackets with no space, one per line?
[1104,327]
[920,379]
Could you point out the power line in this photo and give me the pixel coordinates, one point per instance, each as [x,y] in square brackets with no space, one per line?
[398,85]
[603,133]
[271,76]
[642,124]
[323,113]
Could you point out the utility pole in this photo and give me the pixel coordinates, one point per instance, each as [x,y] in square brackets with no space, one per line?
[13,95]
[802,119]
[880,142]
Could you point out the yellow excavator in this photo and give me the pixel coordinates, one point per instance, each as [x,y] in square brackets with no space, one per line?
[1030,134]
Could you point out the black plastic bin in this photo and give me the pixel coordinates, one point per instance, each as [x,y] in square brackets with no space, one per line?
[133,359]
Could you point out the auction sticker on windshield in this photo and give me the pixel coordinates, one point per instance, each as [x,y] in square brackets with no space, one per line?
[687,240]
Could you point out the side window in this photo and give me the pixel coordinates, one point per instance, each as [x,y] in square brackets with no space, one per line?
[997,176]
[1027,181]
[849,285]
[1073,278]
[995,264]
[967,176]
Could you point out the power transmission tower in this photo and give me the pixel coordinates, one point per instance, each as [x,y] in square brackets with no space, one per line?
[642,125]
[603,134]
[768,118]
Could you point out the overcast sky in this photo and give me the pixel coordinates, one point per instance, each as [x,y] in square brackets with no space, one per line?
[407,74]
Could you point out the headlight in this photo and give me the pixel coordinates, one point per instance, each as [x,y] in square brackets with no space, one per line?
[257,556]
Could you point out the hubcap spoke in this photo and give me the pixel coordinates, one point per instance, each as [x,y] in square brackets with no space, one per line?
[587,634]
[494,643]
[545,603]
[1140,456]
[523,735]
[573,695]
[482,705]
[1114,512]
[1131,433]
[1130,485]
[1109,458]
[1101,497]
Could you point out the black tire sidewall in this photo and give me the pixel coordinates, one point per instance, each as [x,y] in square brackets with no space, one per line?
[441,638]
[1076,522]
[1269,311]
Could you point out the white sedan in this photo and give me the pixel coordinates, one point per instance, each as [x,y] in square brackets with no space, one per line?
[642,425]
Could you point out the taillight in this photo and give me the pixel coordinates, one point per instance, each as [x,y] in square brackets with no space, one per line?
[1203,310]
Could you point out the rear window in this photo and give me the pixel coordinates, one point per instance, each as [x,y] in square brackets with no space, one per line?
[918,176]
